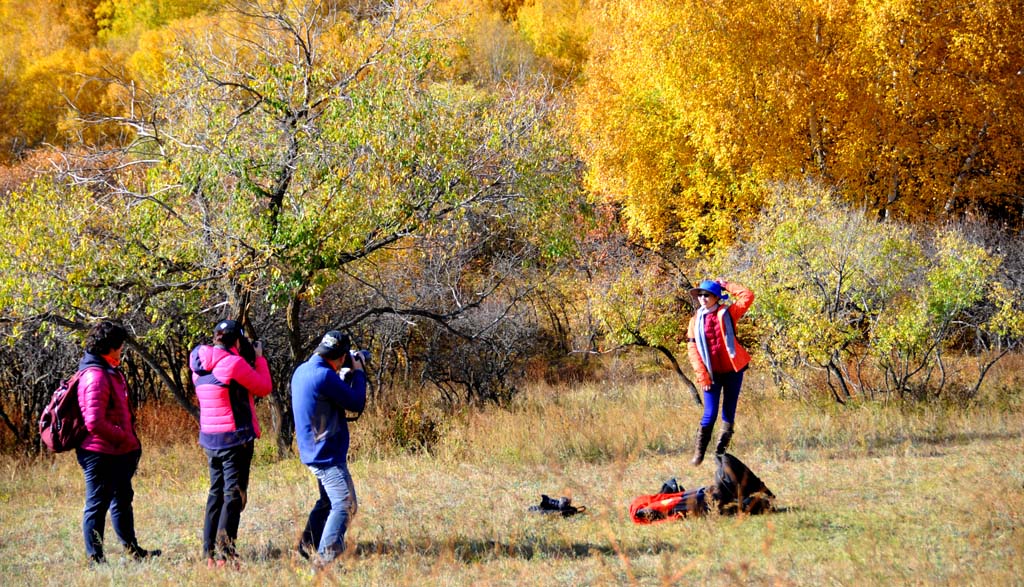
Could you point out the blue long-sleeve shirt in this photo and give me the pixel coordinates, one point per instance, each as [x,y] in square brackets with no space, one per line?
[319,401]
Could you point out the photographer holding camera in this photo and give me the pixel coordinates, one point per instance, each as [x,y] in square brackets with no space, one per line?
[226,385]
[320,398]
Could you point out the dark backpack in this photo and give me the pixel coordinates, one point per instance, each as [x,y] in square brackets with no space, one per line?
[61,426]
[737,489]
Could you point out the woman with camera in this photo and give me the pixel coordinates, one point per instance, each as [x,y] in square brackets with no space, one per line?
[227,385]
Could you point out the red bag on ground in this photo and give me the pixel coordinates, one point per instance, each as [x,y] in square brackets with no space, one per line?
[659,507]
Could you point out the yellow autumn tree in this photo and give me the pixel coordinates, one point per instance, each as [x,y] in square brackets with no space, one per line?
[689,107]
[63,62]
[643,135]
[30,106]
[559,31]
[945,82]
[121,22]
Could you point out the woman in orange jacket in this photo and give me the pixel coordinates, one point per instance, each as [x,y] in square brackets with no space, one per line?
[717,357]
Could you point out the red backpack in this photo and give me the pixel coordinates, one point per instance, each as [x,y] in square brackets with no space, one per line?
[672,502]
[61,426]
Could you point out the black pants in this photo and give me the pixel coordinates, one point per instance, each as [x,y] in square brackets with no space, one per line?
[229,484]
[108,486]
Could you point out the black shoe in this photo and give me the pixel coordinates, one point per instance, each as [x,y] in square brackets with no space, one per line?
[138,553]
[305,550]
[96,560]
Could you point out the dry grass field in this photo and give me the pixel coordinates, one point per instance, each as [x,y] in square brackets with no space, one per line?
[870,494]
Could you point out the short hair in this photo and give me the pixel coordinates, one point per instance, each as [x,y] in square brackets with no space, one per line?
[105,337]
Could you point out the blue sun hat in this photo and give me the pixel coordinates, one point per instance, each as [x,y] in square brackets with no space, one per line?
[711,287]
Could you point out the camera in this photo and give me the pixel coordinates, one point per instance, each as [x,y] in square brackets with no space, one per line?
[247,348]
[353,355]
[351,359]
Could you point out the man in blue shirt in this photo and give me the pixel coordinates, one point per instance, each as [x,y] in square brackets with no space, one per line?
[319,400]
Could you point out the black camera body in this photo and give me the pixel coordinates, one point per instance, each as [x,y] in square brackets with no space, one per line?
[247,349]
[353,355]
[346,372]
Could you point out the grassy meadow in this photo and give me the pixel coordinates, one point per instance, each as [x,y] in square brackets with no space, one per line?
[870,495]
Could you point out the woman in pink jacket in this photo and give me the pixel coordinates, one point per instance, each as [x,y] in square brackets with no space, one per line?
[226,385]
[718,359]
[110,453]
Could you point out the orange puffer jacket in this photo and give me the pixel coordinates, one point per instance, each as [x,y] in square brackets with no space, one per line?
[742,298]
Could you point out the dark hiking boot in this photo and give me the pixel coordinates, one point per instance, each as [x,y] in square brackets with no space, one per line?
[97,560]
[548,505]
[724,438]
[701,444]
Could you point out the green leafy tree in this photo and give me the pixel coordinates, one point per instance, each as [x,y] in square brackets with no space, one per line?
[635,296]
[304,156]
[822,275]
[909,341]
[872,304]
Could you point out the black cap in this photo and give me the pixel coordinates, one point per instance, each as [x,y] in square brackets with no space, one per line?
[334,344]
[227,326]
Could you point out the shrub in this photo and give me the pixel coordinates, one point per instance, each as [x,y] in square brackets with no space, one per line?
[872,304]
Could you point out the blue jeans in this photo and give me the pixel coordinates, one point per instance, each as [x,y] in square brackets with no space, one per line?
[108,485]
[229,486]
[328,520]
[726,385]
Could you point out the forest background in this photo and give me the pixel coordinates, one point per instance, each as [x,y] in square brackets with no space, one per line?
[489,193]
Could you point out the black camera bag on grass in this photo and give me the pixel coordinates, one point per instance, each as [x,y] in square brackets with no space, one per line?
[737,489]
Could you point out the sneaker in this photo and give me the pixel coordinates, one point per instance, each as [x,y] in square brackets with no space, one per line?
[324,564]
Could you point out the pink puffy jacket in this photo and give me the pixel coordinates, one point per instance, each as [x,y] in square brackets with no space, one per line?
[227,385]
[103,397]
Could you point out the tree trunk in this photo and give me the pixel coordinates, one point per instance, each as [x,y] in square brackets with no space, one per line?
[833,370]
[177,390]
[686,380]
[280,398]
